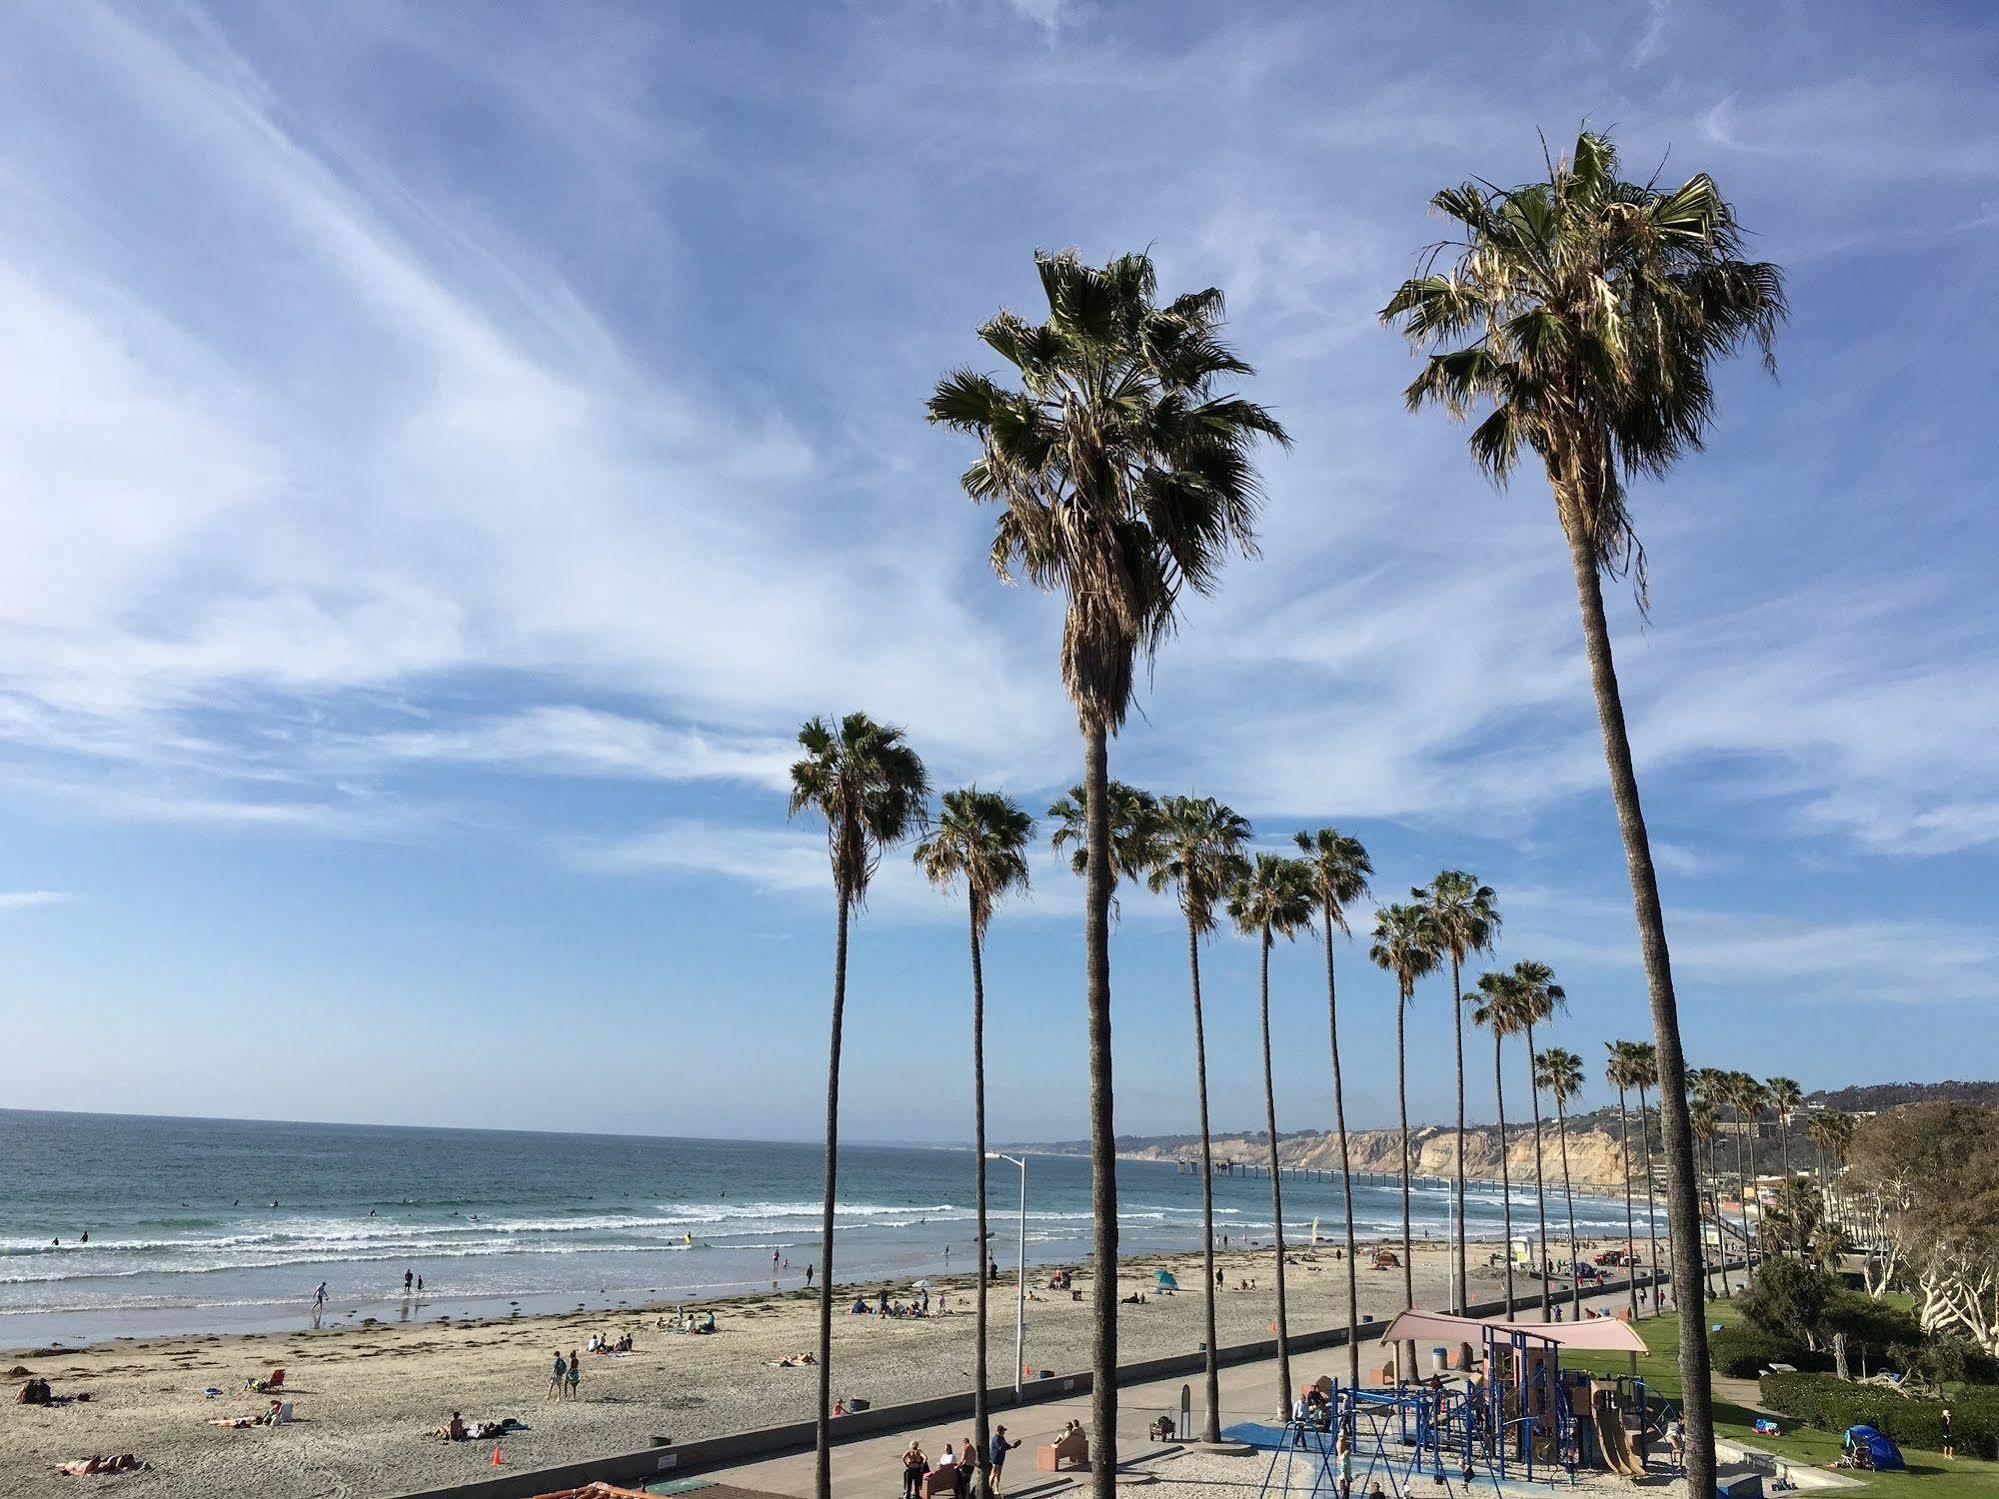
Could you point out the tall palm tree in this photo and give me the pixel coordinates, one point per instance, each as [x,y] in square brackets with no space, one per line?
[1621,1072]
[1587,312]
[1840,1132]
[1644,1075]
[1561,1073]
[1500,1007]
[1785,1096]
[1540,997]
[1707,1129]
[1706,1088]
[1274,899]
[981,838]
[1124,479]
[869,785]
[1746,1094]
[1406,945]
[1339,867]
[1198,855]
[1465,916]
[1830,1131]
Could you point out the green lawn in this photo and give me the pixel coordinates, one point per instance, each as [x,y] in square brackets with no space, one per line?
[1931,1475]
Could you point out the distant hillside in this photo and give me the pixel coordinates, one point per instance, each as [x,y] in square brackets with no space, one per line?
[1594,1156]
[1872,1097]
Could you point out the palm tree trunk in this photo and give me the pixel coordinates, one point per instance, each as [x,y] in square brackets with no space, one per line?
[1784,1148]
[1458,1029]
[981,1431]
[1408,1359]
[1630,1231]
[1676,1129]
[1346,1165]
[1103,1127]
[1505,1169]
[1540,1182]
[822,1450]
[1745,1157]
[1569,1196]
[1714,1197]
[1741,1195]
[1276,1199]
[1211,1424]
[1651,1202]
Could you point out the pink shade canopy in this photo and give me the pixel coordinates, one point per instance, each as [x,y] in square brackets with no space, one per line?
[1601,1333]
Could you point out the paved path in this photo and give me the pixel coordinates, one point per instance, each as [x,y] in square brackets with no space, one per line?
[871,1467]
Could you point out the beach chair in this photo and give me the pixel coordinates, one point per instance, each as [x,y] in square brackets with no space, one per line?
[267,1386]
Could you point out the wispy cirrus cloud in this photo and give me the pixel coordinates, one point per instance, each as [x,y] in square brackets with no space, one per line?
[19,900]
[1802,960]
[591,742]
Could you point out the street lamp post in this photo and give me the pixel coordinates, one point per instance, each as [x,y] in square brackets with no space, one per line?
[1020,1306]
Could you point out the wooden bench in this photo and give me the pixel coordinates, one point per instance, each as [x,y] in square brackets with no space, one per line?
[1072,1447]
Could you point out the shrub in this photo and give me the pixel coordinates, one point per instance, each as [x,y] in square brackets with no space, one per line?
[1833,1404]
[1743,1352]
[1871,1327]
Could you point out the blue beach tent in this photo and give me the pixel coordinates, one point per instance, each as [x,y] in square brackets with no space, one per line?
[1883,1455]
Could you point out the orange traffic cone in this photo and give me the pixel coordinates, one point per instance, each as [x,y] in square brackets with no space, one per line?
[496,1454]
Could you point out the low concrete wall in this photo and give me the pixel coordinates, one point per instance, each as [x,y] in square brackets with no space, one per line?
[798,1436]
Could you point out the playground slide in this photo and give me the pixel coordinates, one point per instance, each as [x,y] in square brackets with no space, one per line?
[1615,1443]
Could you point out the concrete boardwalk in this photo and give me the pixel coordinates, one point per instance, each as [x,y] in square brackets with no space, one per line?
[871,1467]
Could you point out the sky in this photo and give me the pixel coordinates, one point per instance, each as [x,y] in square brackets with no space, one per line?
[446,450]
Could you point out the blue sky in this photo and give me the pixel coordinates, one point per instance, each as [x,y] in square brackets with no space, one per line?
[445,451]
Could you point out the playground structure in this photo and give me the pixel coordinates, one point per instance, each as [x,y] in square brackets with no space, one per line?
[1517,1416]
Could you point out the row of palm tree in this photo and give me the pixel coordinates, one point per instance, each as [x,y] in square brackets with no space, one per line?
[871,789]
[1582,314]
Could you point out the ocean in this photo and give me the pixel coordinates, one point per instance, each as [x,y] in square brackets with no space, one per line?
[212,1225]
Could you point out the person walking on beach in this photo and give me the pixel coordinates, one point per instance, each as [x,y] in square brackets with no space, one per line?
[319,1298]
[808,1277]
[408,1277]
[575,1373]
[996,1455]
[555,1380]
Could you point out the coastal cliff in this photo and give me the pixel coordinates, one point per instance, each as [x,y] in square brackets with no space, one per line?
[1595,1161]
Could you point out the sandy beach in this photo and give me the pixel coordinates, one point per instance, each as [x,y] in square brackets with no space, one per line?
[366,1397]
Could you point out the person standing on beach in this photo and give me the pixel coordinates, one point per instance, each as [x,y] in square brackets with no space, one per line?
[808,1277]
[914,1466]
[561,1373]
[575,1373]
[408,1277]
